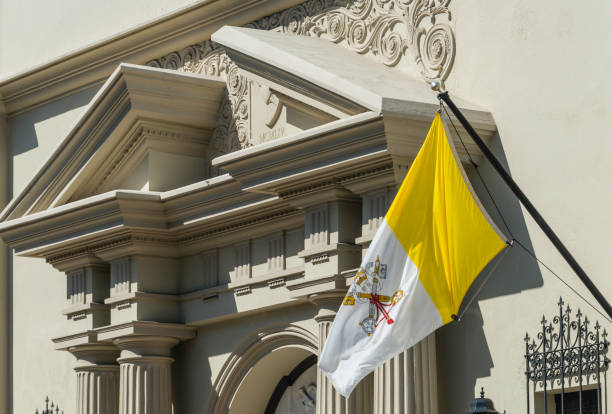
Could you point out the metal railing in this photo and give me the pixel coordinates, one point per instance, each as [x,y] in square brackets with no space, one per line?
[49,409]
[566,353]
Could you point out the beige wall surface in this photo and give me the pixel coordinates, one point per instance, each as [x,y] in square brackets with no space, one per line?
[4,268]
[34,32]
[38,291]
[541,72]
[38,369]
[34,135]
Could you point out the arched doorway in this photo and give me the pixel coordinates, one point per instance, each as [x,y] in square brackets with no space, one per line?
[252,372]
[297,391]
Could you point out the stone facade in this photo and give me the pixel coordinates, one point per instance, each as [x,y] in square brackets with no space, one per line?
[202,189]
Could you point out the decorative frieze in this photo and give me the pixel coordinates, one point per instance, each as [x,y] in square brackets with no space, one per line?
[121,276]
[76,287]
[86,289]
[317,227]
[242,261]
[375,206]
[276,252]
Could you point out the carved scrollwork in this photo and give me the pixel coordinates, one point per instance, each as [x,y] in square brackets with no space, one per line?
[232,130]
[386,29]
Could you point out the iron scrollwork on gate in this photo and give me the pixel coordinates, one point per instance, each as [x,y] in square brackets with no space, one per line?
[566,353]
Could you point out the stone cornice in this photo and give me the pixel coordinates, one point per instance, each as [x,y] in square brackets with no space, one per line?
[132,222]
[181,104]
[311,157]
[89,66]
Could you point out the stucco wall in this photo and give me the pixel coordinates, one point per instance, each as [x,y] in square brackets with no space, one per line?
[541,72]
[38,291]
[47,30]
[4,268]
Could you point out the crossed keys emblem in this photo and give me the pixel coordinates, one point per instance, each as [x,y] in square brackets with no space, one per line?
[367,288]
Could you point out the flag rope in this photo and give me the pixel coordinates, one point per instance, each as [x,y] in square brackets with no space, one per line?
[532,254]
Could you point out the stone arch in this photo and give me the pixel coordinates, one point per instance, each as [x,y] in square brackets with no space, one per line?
[261,344]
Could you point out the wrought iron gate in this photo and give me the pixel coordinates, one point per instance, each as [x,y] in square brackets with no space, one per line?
[567,353]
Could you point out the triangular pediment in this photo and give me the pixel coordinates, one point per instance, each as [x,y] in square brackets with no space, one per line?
[146,129]
[152,129]
[339,82]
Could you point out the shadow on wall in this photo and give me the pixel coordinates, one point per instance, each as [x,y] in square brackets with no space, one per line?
[26,138]
[463,352]
[23,135]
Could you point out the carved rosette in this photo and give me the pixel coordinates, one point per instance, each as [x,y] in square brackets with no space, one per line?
[388,30]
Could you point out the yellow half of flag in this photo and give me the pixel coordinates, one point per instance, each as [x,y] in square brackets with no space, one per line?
[442,227]
[434,241]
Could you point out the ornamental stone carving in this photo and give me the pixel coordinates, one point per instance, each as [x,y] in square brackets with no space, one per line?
[388,30]
[232,130]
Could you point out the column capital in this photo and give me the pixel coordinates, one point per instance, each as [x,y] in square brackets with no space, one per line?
[145,346]
[327,304]
[95,354]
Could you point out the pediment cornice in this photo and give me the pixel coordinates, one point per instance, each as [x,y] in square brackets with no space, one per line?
[138,107]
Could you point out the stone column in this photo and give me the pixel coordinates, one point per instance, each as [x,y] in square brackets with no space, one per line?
[146,377]
[407,383]
[97,379]
[328,400]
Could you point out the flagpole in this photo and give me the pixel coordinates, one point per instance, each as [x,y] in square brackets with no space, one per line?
[525,202]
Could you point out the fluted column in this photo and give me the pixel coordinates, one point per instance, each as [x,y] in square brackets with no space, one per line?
[97,378]
[97,389]
[145,375]
[407,383]
[328,400]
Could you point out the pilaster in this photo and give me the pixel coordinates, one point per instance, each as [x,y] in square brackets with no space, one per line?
[87,287]
[328,400]
[332,216]
[142,288]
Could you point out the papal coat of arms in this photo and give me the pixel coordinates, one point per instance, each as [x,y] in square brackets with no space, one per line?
[367,288]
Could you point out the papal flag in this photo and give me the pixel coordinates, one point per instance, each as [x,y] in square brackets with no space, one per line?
[434,241]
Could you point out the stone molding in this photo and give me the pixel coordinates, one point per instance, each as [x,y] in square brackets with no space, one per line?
[248,354]
[389,30]
[89,66]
